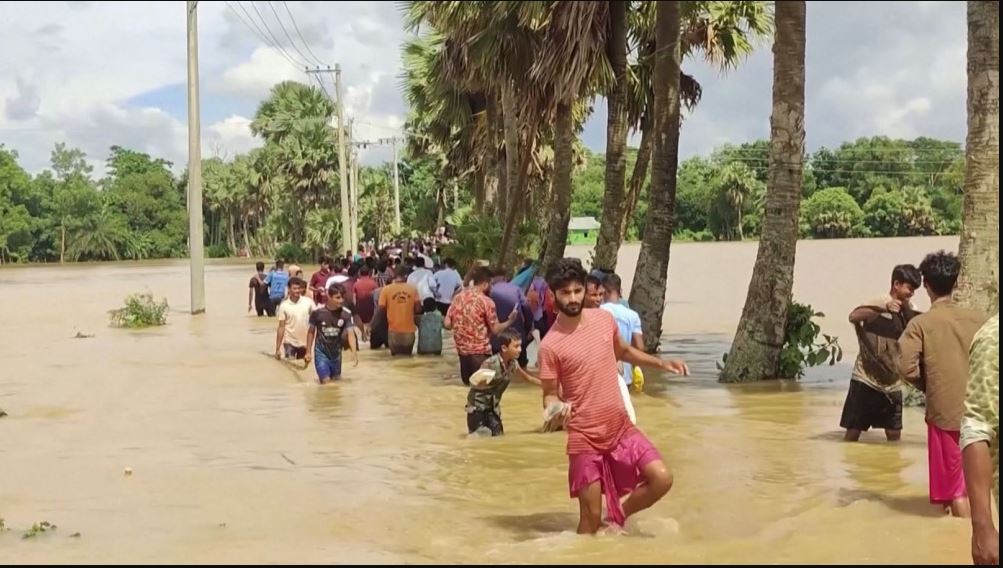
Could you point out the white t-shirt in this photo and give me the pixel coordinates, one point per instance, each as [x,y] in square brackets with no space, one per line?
[296,316]
[446,283]
[421,279]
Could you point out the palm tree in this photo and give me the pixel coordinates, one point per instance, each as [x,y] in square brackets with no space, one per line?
[978,284]
[616,139]
[755,353]
[102,236]
[294,121]
[647,294]
[723,32]
[573,66]
[736,185]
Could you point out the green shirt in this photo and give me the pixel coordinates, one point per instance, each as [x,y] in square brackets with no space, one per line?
[981,422]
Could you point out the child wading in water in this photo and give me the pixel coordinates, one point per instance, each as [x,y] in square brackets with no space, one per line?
[484,398]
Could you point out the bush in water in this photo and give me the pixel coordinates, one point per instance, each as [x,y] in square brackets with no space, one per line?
[140,310]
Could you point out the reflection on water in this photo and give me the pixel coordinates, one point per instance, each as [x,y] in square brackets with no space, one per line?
[238,458]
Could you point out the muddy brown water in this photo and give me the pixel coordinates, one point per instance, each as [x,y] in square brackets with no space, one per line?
[238,458]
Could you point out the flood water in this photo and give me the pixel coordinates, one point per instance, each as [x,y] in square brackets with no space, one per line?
[239,458]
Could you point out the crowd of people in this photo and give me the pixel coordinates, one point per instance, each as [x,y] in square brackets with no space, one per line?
[591,348]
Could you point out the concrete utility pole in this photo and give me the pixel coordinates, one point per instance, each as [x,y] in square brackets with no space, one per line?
[346,221]
[196,253]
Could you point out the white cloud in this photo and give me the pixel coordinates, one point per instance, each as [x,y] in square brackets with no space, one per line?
[24,104]
[232,134]
[255,77]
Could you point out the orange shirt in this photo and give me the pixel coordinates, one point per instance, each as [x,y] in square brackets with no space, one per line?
[400,300]
[583,362]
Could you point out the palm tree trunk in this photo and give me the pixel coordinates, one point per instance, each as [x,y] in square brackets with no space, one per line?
[557,232]
[608,243]
[509,245]
[510,117]
[493,168]
[738,226]
[231,232]
[978,284]
[647,294]
[755,353]
[247,237]
[637,178]
[480,175]
[62,242]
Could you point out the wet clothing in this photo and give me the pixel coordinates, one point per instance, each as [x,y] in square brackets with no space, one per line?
[484,403]
[619,471]
[400,343]
[430,333]
[262,303]
[867,408]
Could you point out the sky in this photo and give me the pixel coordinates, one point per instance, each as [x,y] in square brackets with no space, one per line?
[97,74]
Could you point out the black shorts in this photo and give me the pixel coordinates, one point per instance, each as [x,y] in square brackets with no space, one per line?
[469,364]
[867,408]
[485,418]
[443,308]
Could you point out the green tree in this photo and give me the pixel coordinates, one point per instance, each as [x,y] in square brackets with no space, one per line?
[899,213]
[144,191]
[102,236]
[736,191]
[830,214]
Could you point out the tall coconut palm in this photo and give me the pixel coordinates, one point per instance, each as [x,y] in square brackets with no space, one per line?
[647,294]
[723,33]
[295,123]
[978,284]
[573,66]
[490,47]
[616,138]
[755,353]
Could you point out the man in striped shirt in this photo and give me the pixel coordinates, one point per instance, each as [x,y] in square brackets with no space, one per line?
[607,455]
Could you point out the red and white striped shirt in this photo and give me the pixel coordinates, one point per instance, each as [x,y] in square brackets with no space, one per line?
[582,359]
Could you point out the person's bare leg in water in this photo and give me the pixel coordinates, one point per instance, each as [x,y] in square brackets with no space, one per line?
[657,482]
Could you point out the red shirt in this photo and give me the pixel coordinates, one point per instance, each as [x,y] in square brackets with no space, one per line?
[583,362]
[317,281]
[472,314]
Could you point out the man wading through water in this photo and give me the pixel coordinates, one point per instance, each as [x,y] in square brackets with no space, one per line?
[607,455]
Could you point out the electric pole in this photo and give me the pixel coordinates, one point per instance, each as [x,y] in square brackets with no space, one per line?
[397,191]
[196,252]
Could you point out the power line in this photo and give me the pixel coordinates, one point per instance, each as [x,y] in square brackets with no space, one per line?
[284,31]
[256,30]
[277,45]
[300,34]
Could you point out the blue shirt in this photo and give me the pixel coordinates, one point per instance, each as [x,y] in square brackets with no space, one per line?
[628,323]
[277,281]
